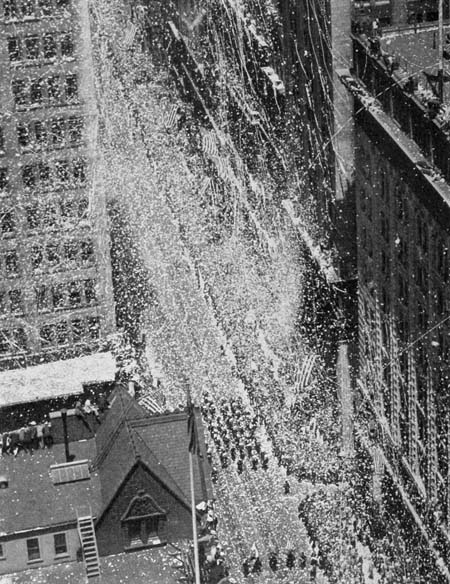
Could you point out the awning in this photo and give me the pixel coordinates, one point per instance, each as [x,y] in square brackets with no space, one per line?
[59,378]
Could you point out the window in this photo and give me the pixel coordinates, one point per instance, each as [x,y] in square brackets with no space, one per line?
[77,330]
[28,178]
[14,49]
[57,131]
[71,87]
[62,171]
[15,299]
[71,251]
[49,46]
[33,550]
[5,343]
[19,89]
[62,333]
[10,7]
[49,215]
[87,252]
[74,130]
[31,48]
[36,256]
[3,178]
[60,4]
[11,263]
[60,544]
[2,141]
[2,552]
[23,135]
[46,7]
[74,294]
[46,333]
[93,327]
[58,295]
[66,45]
[40,133]
[28,8]
[52,254]
[83,205]
[79,171]
[44,174]
[7,223]
[42,298]
[89,291]
[36,92]
[53,89]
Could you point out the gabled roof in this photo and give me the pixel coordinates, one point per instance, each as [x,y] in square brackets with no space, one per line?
[122,407]
[129,437]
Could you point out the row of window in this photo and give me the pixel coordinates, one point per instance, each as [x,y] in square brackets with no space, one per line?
[34,550]
[56,213]
[52,133]
[71,331]
[69,254]
[75,294]
[33,47]
[52,214]
[53,90]
[55,174]
[25,9]
[76,330]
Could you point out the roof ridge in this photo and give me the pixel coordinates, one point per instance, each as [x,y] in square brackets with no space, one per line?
[172,482]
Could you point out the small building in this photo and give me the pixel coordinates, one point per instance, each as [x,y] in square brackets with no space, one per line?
[125,489]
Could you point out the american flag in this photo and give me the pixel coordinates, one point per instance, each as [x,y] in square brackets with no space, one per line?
[194,444]
[170,119]
[304,375]
[209,144]
[150,405]
[130,34]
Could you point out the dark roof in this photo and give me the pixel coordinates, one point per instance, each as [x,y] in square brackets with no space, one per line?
[122,407]
[32,500]
[159,442]
[128,436]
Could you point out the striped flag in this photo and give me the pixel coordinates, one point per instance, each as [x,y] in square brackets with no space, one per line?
[130,34]
[170,118]
[150,405]
[194,444]
[209,144]
[304,376]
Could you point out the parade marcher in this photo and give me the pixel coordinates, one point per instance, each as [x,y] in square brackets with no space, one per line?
[14,443]
[34,442]
[273,561]
[40,435]
[245,568]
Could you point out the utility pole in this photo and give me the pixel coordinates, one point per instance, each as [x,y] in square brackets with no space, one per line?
[441,51]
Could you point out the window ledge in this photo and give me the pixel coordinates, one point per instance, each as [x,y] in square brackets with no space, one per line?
[63,556]
[38,561]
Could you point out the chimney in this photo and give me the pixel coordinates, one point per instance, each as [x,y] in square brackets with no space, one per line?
[66,436]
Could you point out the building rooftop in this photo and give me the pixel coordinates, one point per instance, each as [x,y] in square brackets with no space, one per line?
[54,379]
[32,500]
[153,565]
[128,436]
[417,52]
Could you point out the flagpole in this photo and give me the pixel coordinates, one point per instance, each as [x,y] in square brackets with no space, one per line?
[194,522]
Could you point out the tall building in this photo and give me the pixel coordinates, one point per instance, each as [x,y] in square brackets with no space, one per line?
[55,282]
[402,147]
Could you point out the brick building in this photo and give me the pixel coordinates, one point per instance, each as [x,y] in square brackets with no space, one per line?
[402,148]
[125,488]
[56,293]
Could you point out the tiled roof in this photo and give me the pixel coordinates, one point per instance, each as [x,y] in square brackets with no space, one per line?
[122,407]
[31,500]
[160,442]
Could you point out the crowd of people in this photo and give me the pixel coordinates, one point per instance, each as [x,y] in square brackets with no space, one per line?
[27,438]
[233,426]
[33,436]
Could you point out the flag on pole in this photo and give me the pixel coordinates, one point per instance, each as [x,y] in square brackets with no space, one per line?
[130,34]
[194,444]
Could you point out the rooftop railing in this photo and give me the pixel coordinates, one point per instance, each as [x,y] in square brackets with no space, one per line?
[416,119]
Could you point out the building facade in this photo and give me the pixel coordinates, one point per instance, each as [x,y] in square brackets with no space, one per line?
[56,293]
[402,187]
